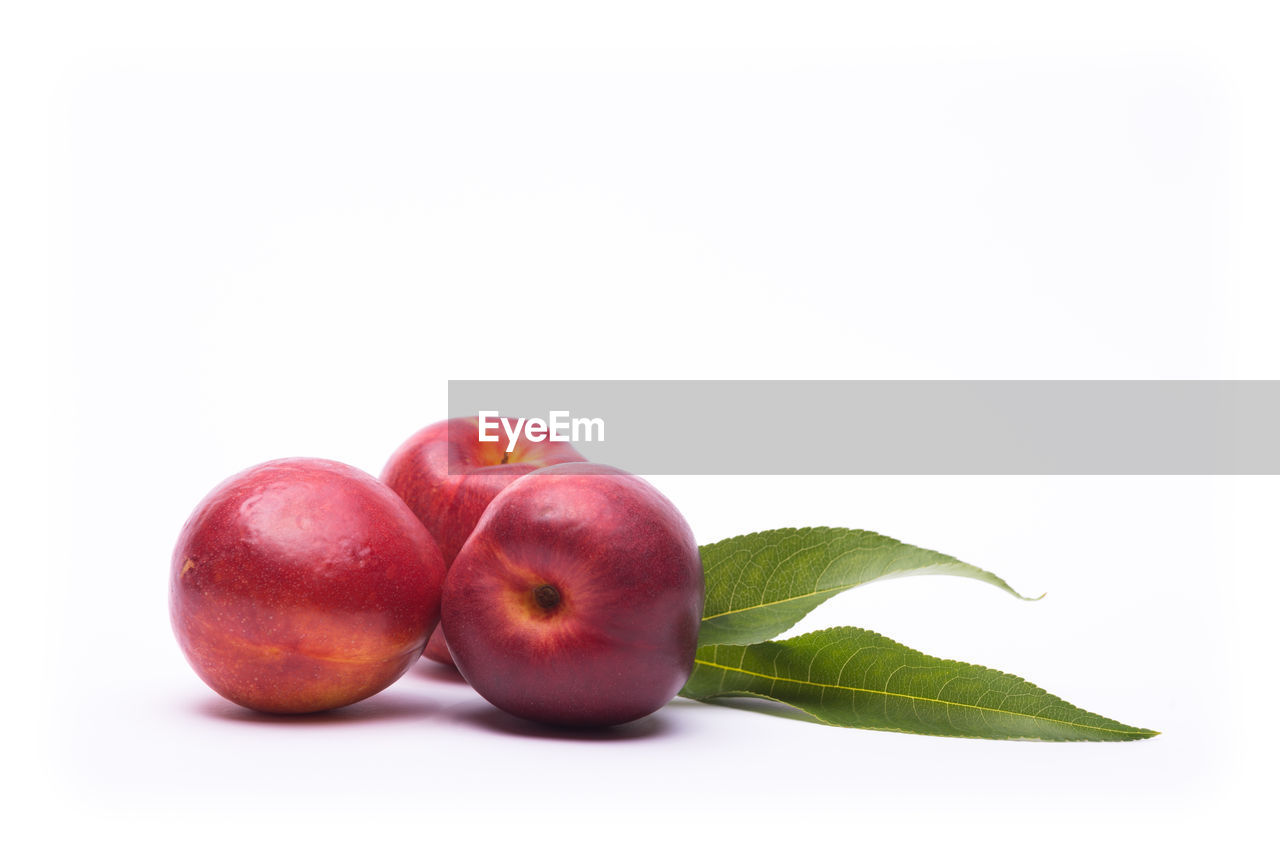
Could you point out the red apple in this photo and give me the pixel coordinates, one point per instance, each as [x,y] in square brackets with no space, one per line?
[301,585]
[576,601]
[448,476]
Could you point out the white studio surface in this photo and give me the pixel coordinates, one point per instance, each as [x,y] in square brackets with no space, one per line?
[275,240]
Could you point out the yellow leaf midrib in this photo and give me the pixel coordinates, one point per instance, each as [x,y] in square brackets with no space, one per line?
[1040,718]
[839,588]
[773,602]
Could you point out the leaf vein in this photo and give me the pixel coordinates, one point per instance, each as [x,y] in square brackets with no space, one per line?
[888,694]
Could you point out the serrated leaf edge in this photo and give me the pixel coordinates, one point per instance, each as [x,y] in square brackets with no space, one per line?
[825,722]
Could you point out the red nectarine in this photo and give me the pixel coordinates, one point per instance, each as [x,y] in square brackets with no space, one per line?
[448,476]
[577,599]
[301,585]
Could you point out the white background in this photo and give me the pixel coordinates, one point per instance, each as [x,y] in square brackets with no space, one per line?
[277,229]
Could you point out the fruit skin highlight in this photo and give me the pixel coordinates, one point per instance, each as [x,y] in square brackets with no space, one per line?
[577,599]
[301,585]
[448,476]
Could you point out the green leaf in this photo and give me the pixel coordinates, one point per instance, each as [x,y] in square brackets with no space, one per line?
[759,585]
[856,678]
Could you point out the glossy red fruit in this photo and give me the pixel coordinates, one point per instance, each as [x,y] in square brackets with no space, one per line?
[576,601]
[301,585]
[448,476]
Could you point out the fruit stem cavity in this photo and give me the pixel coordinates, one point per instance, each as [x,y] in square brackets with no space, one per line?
[547,597]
